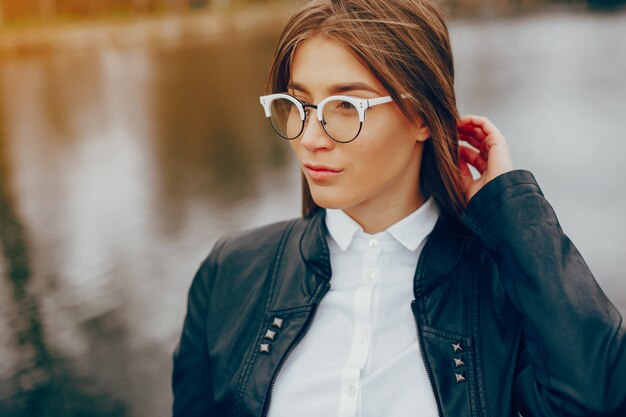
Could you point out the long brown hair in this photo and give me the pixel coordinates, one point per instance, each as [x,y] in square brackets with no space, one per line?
[406,46]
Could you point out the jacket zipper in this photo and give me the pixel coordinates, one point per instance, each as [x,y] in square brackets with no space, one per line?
[429,371]
[303,332]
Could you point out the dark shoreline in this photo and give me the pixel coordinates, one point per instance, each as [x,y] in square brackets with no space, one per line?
[172,29]
[208,25]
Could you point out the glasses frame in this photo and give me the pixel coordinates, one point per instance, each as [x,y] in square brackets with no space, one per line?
[361,105]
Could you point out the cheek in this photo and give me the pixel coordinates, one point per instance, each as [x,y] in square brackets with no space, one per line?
[383,150]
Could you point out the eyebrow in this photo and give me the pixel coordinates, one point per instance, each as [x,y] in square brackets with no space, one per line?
[338,88]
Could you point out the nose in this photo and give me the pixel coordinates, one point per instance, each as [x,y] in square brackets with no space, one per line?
[313,137]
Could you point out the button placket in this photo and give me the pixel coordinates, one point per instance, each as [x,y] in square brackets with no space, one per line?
[362,305]
[364,335]
[370,260]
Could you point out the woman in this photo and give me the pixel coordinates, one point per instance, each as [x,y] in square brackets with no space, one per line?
[408,287]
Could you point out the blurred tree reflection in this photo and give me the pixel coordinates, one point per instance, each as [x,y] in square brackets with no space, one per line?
[44,10]
[210,136]
[44,385]
[47,9]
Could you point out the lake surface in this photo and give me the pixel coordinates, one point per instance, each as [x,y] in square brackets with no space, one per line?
[120,166]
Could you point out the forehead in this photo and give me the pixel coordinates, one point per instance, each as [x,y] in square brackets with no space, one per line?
[319,63]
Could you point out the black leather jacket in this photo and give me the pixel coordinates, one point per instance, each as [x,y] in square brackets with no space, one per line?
[507,293]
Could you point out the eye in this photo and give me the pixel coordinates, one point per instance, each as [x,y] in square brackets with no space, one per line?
[342,106]
[345,105]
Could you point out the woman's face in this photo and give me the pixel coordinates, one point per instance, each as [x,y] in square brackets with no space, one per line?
[376,173]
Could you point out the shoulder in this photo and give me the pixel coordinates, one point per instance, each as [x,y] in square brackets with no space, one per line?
[256,245]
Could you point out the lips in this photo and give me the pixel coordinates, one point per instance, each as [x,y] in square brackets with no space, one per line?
[322,172]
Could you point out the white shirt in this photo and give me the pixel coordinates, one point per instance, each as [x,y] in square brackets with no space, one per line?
[361,355]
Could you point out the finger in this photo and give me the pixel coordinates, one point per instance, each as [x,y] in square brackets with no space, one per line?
[474,136]
[478,121]
[466,175]
[484,126]
[477,144]
[492,135]
[473,158]
[471,130]
[468,126]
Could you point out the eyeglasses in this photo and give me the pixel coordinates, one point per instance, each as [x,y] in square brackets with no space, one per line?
[341,117]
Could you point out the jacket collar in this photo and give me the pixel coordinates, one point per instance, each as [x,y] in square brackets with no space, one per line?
[440,255]
[313,246]
[438,259]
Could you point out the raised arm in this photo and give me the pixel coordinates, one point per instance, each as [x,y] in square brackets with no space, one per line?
[573,334]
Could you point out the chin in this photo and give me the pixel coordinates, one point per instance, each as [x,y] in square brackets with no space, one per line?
[331,199]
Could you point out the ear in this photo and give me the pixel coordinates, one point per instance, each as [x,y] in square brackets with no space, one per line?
[422,131]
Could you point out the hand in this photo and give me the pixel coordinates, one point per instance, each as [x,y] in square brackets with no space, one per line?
[490,154]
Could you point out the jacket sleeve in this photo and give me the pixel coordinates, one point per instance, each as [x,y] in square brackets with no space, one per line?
[573,334]
[190,375]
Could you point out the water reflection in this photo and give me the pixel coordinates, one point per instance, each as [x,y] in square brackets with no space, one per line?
[33,380]
[208,133]
[122,158]
[119,167]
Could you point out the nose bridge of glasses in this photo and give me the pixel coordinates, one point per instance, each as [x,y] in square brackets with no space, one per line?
[307,117]
[305,107]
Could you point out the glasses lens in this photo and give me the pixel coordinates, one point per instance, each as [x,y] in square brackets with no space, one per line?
[285,118]
[341,120]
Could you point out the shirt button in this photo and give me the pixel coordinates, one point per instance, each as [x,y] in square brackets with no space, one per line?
[371,274]
[364,335]
[373,243]
[350,391]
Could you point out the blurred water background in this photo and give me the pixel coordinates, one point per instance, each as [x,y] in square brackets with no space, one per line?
[131,138]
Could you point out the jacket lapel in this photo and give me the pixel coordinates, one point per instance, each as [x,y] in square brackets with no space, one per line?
[313,246]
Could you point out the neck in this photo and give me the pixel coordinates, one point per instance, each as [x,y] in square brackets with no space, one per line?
[377,218]
[398,199]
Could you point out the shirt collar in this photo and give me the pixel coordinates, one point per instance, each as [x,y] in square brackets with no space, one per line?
[341,227]
[410,231]
[414,228]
